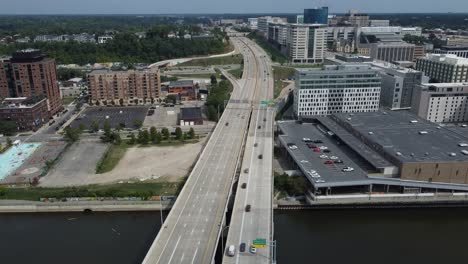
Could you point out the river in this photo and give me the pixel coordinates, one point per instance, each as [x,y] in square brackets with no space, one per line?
[326,236]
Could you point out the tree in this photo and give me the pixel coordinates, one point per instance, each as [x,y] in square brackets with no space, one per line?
[191,133]
[214,81]
[82,127]
[137,123]
[178,133]
[116,138]
[184,137]
[132,139]
[8,128]
[165,133]
[72,134]
[153,133]
[9,142]
[95,126]
[121,102]
[158,138]
[143,137]
[171,99]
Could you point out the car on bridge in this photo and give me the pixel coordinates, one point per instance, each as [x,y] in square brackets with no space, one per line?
[231,250]
[247,208]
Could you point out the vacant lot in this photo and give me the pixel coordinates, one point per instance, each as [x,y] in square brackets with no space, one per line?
[114,115]
[76,165]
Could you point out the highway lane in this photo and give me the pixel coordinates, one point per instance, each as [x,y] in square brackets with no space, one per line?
[257,174]
[191,230]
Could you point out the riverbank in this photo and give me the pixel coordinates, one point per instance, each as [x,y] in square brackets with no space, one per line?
[15,206]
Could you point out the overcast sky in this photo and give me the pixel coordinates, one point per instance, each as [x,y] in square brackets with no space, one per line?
[223,6]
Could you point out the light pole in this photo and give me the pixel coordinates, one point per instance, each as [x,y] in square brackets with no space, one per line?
[160,211]
[222,238]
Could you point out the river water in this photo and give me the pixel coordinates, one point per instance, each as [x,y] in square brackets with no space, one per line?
[326,236]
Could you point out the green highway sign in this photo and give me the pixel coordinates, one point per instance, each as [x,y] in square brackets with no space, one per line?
[259,241]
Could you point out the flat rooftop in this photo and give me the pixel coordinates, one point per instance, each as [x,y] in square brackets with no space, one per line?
[406,137]
[308,160]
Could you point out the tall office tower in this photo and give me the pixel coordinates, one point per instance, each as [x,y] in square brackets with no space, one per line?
[306,43]
[316,15]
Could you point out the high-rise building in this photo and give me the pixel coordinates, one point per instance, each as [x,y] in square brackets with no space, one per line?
[300,19]
[316,15]
[441,102]
[398,84]
[333,89]
[131,87]
[444,68]
[31,74]
[460,51]
[357,19]
[306,43]
[262,23]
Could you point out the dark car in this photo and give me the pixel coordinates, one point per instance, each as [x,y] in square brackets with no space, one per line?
[338,161]
[318,141]
[244,185]
[227,123]
[326,151]
[264,119]
[259,127]
[260,156]
[242,247]
[247,208]
[256,144]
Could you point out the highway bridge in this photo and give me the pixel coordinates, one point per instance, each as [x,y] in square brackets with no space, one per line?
[191,231]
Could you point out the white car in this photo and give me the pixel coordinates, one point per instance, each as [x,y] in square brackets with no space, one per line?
[304,161]
[292,147]
[323,156]
[348,169]
[306,140]
[323,147]
[333,157]
[315,175]
[319,181]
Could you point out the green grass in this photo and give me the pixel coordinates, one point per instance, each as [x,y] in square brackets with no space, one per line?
[66,100]
[279,74]
[231,59]
[112,157]
[236,73]
[172,143]
[201,76]
[143,190]
[274,53]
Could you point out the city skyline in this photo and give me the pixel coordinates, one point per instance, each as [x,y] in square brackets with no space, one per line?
[210,6]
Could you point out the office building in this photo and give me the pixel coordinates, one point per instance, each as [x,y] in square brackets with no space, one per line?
[398,84]
[29,114]
[335,34]
[30,73]
[357,19]
[419,52]
[459,51]
[335,89]
[457,41]
[300,19]
[444,68]
[413,31]
[306,43]
[442,102]
[253,23]
[131,87]
[392,51]
[379,23]
[317,15]
[262,23]
[278,34]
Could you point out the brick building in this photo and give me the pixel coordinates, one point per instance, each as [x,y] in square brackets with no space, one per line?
[30,73]
[131,87]
[27,113]
[184,89]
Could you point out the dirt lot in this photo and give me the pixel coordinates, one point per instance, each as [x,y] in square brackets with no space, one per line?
[77,166]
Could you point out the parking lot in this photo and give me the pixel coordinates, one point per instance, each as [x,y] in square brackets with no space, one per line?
[114,115]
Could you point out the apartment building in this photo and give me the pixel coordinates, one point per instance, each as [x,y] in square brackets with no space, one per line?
[444,68]
[29,114]
[30,73]
[333,89]
[131,87]
[306,43]
[442,102]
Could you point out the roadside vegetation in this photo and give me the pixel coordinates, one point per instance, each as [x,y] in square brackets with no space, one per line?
[8,128]
[237,72]
[143,190]
[279,74]
[66,100]
[7,146]
[274,53]
[289,185]
[219,94]
[226,60]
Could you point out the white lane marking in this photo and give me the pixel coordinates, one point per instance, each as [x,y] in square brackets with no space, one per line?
[195,255]
[192,231]
[185,225]
[172,255]
[182,258]
[203,231]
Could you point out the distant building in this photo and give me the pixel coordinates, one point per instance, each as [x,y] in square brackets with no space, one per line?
[306,43]
[442,102]
[104,39]
[253,23]
[335,89]
[398,84]
[28,113]
[460,51]
[444,68]
[190,116]
[457,41]
[392,51]
[335,34]
[300,19]
[262,23]
[317,15]
[184,89]
[357,19]
[131,87]
[379,23]
[413,31]
[30,73]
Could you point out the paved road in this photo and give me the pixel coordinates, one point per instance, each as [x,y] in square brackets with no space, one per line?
[256,173]
[191,230]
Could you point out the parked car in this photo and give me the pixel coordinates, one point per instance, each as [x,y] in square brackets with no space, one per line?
[247,208]
[323,156]
[333,157]
[323,147]
[338,161]
[307,140]
[319,181]
[259,127]
[317,150]
[227,123]
[328,162]
[310,145]
[348,169]
[318,141]
[256,144]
